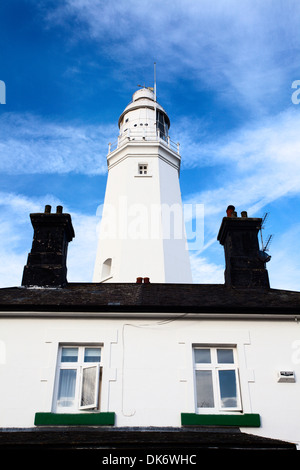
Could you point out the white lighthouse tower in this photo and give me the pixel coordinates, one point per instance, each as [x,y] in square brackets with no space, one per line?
[142,233]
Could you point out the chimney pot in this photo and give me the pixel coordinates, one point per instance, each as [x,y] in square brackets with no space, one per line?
[146,280]
[59,209]
[230,210]
[139,280]
[244,214]
[47,209]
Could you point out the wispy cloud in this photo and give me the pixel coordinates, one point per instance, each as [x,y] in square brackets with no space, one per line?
[284,268]
[15,230]
[229,46]
[205,271]
[16,234]
[256,166]
[261,163]
[82,250]
[31,144]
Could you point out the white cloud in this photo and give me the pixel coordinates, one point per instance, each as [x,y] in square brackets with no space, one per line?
[16,234]
[205,271]
[31,144]
[11,277]
[261,164]
[242,50]
[284,267]
[82,250]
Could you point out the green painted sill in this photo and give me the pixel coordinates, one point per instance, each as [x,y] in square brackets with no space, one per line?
[75,419]
[193,419]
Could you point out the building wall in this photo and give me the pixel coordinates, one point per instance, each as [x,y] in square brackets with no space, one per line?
[148,377]
[127,206]
[138,209]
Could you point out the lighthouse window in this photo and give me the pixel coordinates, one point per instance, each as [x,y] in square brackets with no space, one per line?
[106,269]
[161,125]
[143,169]
[216,379]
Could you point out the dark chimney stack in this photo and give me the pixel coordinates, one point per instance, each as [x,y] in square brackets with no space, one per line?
[47,261]
[245,265]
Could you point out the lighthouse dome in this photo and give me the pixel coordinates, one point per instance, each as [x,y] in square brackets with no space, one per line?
[143,93]
[143,110]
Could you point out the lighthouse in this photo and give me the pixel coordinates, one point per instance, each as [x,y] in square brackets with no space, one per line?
[142,231]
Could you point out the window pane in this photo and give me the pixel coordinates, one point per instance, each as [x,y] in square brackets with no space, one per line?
[66,388]
[143,169]
[92,354]
[88,386]
[204,386]
[228,389]
[69,354]
[225,356]
[106,268]
[202,356]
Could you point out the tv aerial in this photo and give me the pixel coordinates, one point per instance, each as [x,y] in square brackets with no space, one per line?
[265,246]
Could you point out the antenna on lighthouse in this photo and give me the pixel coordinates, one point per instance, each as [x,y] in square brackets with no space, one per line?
[154,81]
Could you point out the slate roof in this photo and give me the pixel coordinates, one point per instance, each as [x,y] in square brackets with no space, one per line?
[127,297]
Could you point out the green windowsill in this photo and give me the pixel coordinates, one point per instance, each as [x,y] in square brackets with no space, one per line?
[75,419]
[193,419]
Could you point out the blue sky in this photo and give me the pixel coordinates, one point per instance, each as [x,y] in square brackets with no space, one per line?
[225,70]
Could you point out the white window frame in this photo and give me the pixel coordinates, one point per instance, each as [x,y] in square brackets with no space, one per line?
[215,367]
[80,365]
[94,404]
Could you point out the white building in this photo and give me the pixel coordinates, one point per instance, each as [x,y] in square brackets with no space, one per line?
[142,230]
[127,364]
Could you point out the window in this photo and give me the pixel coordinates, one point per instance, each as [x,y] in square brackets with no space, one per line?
[162,125]
[106,269]
[78,378]
[216,379]
[143,169]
